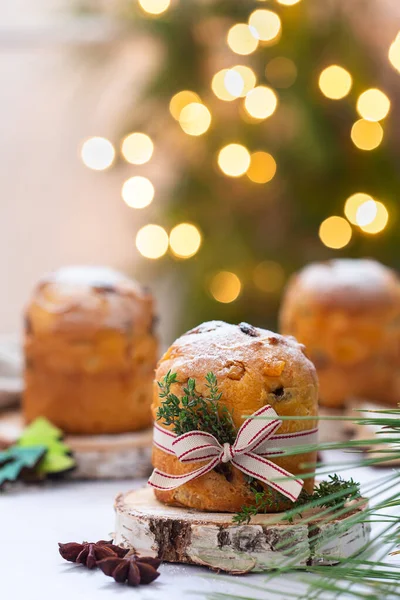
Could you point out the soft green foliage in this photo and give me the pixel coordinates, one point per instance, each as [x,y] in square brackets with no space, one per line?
[318,166]
[17,462]
[58,457]
[334,492]
[193,411]
[327,491]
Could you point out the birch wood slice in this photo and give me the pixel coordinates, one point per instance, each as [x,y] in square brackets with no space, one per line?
[10,371]
[114,456]
[211,539]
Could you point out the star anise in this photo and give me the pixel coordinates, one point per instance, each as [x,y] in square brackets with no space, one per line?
[131,568]
[89,553]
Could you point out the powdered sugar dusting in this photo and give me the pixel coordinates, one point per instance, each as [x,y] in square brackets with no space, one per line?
[91,275]
[360,276]
[94,296]
[217,346]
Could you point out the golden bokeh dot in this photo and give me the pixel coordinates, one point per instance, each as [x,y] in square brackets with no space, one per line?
[241,39]
[288,2]
[373,105]
[223,84]
[97,153]
[266,24]
[352,205]
[137,148]
[137,192]
[248,76]
[366,135]
[234,160]
[269,276]
[262,167]
[335,82]
[184,240]
[394,53]
[366,213]
[195,119]
[180,100]
[225,287]
[234,83]
[335,232]
[281,72]
[152,241]
[380,220]
[155,7]
[261,102]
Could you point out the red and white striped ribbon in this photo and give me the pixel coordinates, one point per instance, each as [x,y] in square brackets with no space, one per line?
[256,439]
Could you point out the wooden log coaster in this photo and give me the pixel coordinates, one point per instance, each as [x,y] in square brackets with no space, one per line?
[182,535]
[11,361]
[114,456]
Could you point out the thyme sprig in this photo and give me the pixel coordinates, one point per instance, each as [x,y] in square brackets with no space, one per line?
[193,411]
[334,492]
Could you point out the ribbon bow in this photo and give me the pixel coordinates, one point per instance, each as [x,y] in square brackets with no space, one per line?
[255,440]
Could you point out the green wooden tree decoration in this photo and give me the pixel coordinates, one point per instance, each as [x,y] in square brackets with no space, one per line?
[58,457]
[20,462]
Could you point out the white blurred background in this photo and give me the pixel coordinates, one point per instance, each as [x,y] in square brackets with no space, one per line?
[54,211]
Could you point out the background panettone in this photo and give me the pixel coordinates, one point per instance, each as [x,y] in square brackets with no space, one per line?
[254,367]
[347,313]
[90,352]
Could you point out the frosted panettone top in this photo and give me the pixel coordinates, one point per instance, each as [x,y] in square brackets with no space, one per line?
[348,282]
[89,297]
[253,366]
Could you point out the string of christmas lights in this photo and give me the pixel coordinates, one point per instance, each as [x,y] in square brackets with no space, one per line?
[256,103]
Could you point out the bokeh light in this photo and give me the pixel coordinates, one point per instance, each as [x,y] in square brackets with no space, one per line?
[241,39]
[225,287]
[366,213]
[266,24]
[248,76]
[269,276]
[184,240]
[288,2]
[281,72]
[234,83]
[373,105]
[180,100]
[234,160]
[335,82]
[225,83]
[155,7]
[137,192]
[261,102]
[394,53]
[195,118]
[352,205]
[152,241]
[262,167]
[137,148]
[335,232]
[380,220]
[97,153]
[366,135]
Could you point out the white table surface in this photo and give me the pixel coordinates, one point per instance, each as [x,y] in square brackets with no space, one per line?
[34,518]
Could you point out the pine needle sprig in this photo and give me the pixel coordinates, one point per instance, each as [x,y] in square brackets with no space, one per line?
[193,411]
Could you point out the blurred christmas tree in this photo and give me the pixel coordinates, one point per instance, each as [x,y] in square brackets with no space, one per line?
[270,119]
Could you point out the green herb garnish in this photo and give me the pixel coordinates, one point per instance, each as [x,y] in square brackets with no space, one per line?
[193,411]
[334,492]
